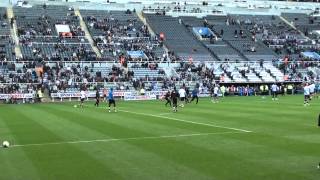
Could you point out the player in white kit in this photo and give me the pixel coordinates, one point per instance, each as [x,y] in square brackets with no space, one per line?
[312,88]
[215,94]
[82,98]
[182,95]
[274,91]
[306,92]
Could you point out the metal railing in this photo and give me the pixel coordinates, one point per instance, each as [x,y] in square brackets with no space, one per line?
[116,61]
[54,43]
[76,85]
[47,36]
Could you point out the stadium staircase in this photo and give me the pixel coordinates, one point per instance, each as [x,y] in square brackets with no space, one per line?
[228,74]
[237,50]
[256,73]
[292,26]
[212,51]
[87,33]
[316,71]
[204,45]
[14,32]
[143,19]
[170,72]
[46,96]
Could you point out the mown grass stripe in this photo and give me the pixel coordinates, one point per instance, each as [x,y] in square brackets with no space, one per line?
[46,164]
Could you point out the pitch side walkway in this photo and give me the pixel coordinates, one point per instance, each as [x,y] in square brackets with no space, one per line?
[14,33]
[87,33]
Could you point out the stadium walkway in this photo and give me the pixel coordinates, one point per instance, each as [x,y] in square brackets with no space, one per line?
[143,19]
[14,32]
[291,25]
[87,33]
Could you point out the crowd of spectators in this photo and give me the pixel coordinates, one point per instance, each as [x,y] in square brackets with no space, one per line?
[276,34]
[60,77]
[116,34]
[114,37]
[43,24]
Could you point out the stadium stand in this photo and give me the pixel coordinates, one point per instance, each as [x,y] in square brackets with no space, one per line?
[238,48]
[5,25]
[39,36]
[178,39]
[6,42]
[116,33]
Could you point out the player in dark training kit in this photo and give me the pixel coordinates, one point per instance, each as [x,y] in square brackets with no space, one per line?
[195,95]
[167,98]
[97,98]
[111,100]
[174,98]
[187,95]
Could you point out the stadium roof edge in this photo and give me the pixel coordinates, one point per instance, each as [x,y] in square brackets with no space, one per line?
[226,6]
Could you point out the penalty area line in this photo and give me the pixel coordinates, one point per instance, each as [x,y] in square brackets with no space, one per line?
[187,121]
[125,139]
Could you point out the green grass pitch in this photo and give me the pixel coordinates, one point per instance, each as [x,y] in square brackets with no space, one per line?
[240,138]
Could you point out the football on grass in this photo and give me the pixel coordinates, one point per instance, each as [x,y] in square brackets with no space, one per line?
[5,144]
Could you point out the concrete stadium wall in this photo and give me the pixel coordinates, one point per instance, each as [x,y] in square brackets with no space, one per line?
[228,6]
[225,6]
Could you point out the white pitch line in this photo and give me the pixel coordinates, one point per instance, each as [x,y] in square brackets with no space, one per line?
[186,121]
[164,114]
[124,139]
[310,125]
[181,120]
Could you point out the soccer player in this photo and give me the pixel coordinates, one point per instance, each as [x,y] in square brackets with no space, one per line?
[104,93]
[282,90]
[306,92]
[312,88]
[211,91]
[215,94]
[111,100]
[195,95]
[97,98]
[174,98]
[187,95]
[316,90]
[167,98]
[182,95]
[82,97]
[274,91]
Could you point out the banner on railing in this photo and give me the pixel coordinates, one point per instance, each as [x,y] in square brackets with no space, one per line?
[128,95]
[89,94]
[204,95]
[16,96]
[132,97]
[92,94]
